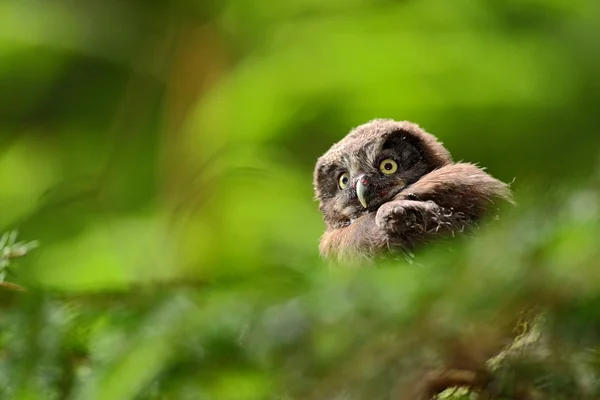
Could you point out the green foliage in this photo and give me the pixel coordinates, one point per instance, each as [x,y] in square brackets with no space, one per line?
[162,154]
[11,249]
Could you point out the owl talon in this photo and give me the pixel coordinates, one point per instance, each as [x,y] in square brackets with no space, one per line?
[393,218]
[399,218]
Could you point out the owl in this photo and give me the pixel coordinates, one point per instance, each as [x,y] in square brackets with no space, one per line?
[389,186]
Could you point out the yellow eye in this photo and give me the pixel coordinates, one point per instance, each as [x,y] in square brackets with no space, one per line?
[388,166]
[343,180]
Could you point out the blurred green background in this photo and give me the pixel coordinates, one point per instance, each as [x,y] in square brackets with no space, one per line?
[162,154]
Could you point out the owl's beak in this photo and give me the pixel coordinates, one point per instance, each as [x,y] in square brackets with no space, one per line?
[361,190]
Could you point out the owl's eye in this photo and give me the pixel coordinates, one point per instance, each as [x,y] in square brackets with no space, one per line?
[388,166]
[343,180]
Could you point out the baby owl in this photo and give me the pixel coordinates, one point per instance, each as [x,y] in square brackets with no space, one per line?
[388,186]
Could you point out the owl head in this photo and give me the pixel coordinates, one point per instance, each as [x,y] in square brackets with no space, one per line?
[372,164]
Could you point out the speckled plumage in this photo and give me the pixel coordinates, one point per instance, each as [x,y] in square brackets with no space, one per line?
[429,195]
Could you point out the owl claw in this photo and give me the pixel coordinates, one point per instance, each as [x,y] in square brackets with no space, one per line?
[399,217]
[394,218]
